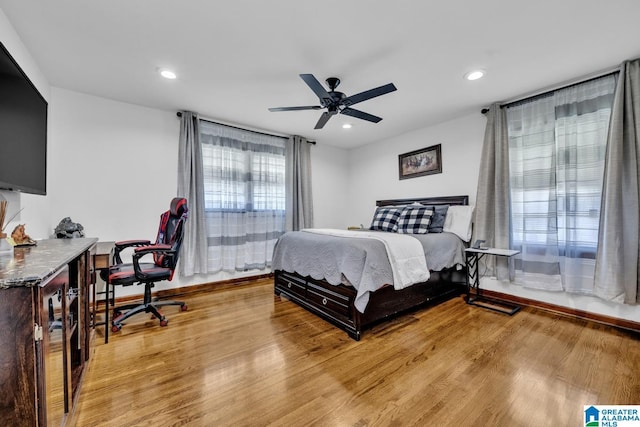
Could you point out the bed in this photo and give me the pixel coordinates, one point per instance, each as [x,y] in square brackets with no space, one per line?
[344,280]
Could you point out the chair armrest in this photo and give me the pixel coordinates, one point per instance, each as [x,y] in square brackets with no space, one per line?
[123,244]
[161,249]
[153,248]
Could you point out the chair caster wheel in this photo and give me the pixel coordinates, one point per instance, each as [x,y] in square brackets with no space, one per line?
[184,307]
[116,328]
[164,322]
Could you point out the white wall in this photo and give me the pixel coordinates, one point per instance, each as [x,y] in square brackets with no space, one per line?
[330,181]
[113,166]
[373,169]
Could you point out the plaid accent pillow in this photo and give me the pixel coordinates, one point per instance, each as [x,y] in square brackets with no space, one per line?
[385,219]
[414,220]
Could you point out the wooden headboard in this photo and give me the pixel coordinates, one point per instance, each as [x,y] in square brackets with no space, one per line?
[445,200]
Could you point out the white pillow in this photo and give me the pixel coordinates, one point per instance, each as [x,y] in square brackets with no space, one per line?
[458,221]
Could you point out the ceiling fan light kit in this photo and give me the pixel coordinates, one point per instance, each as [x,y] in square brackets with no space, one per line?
[337,102]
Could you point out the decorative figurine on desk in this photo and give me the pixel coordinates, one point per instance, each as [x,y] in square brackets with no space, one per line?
[68,229]
[20,237]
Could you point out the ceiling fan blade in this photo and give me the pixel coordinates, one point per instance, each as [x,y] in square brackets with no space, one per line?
[361,115]
[317,88]
[324,118]
[368,94]
[307,107]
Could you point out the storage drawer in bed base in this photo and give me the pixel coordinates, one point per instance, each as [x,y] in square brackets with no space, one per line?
[335,305]
[292,285]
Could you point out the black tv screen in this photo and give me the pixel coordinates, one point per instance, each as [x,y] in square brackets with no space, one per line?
[23,130]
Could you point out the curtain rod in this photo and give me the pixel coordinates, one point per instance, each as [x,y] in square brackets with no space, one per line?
[559,86]
[179,114]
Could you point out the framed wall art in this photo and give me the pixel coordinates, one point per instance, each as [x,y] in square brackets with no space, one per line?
[425,161]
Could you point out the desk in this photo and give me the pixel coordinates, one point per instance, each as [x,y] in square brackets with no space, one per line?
[474,293]
[102,260]
[43,329]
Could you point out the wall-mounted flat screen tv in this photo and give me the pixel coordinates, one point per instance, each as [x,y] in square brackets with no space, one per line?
[23,130]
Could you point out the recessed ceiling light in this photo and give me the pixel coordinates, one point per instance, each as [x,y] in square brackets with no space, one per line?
[474,75]
[346,126]
[168,74]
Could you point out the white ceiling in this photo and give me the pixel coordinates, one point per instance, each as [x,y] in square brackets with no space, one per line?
[234,59]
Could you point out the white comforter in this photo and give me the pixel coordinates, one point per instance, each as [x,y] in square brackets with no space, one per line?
[406,254]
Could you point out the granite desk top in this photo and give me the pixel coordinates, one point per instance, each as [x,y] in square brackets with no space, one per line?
[32,265]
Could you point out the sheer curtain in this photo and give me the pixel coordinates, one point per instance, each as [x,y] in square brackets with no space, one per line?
[244,193]
[557,146]
[617,262]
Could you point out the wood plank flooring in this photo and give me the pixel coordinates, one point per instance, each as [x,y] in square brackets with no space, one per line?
[243,357]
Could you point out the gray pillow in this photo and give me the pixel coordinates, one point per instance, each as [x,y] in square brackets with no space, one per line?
[438,217]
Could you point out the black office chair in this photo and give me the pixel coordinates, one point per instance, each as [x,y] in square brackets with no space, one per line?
[165,256]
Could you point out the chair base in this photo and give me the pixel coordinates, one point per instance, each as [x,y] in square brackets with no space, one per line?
[121,313]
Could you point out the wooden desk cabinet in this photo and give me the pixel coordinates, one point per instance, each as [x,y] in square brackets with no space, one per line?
[43,331]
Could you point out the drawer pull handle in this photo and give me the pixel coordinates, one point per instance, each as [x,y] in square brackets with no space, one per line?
[324,301]
[289,285]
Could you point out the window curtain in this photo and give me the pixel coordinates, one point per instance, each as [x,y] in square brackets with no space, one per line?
[193,259]
[298,184]
[491,221]
[616,274]
[557,145]
[244,193]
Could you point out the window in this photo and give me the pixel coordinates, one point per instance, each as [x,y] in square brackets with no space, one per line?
[244,191]
[225,168]
[557,145]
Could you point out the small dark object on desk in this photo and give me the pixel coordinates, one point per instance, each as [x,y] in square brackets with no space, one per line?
[479,244]
[68,229]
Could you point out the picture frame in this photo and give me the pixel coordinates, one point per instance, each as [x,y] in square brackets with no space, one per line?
[426,161]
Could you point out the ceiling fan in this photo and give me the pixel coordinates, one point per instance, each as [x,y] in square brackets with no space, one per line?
[337,102]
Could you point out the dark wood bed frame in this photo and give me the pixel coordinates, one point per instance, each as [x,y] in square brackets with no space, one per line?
[336,303]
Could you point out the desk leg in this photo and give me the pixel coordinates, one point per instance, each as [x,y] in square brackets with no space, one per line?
[473,276]
[107,309]
[93,300]
[474,293]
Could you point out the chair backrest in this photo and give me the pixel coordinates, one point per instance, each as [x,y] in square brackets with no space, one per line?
[170,231]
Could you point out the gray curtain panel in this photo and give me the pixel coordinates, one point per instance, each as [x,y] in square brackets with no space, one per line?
[193,258]
[298,184]
[616,273]
[492,211]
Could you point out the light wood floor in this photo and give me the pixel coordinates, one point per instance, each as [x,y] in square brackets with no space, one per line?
[243,357]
